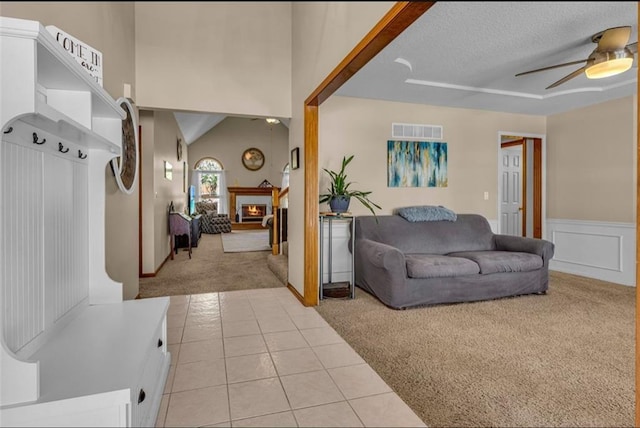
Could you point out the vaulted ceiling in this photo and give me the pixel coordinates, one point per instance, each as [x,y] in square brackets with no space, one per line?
[467,55]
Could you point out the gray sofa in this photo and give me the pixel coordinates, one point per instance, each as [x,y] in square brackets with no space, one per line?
[407,264]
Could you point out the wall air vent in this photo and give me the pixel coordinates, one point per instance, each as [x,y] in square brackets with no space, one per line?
[410,130]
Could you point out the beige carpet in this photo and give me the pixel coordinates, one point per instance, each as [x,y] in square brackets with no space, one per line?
[210,270]
[561,359]
[245,240]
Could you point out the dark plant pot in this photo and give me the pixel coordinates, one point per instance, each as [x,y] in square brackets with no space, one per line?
[339,204]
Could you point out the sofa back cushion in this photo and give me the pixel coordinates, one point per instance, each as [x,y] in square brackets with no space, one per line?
[470,232]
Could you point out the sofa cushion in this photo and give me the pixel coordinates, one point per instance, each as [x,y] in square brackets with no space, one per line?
[502,261]
[435,266]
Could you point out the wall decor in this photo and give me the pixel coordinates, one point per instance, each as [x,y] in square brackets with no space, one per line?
[89,58]
[168,171]
[125,167]
[295,158]
[416,164]
[184,177]
[179,148]
[253,159]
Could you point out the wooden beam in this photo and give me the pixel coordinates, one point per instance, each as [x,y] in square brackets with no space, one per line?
[399,18]
[311,205]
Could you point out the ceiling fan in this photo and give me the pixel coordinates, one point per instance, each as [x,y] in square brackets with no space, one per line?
[612,56]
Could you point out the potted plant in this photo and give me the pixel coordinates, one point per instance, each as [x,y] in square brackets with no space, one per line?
[339,194]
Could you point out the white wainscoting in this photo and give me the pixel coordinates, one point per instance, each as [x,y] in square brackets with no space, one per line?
[601,250]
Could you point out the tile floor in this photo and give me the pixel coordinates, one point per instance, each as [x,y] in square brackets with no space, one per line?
[253,358]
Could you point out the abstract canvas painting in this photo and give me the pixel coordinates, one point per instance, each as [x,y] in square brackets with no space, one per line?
[416,164]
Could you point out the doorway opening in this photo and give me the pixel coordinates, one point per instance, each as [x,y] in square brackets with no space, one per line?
[521,184]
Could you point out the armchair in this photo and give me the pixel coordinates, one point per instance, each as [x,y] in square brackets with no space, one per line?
[211,221]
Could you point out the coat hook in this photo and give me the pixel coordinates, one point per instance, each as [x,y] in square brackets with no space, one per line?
[9,130]
[62,149]
[35,139]
[81,155]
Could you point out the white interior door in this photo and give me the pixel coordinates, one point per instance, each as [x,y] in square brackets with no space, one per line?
[511,204]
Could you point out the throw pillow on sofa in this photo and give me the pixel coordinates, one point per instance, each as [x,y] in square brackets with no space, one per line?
[426,213]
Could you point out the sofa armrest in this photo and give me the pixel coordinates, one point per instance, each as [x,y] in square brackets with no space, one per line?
[541,247]
[381,256]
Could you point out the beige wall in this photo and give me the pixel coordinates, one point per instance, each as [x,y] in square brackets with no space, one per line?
[362,127]
[160,133]
[591,163]
[323,34]
[230,138]
[109,28]
[225,57]
[147,138]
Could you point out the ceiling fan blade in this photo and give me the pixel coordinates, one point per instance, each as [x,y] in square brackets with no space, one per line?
[614,39]
[551,67]
[567,77]
[633,47]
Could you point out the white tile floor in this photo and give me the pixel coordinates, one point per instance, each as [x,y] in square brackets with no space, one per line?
[255,358]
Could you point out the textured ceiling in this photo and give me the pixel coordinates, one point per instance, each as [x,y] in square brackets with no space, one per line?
[466,55]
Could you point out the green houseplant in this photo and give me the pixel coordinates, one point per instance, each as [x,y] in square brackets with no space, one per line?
[339,194]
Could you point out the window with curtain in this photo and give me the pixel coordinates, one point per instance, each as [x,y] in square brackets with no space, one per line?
[209,181]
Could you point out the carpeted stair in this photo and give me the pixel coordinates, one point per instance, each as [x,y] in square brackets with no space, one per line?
[279,264]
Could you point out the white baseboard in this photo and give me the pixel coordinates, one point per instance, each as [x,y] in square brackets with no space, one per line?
[601,250]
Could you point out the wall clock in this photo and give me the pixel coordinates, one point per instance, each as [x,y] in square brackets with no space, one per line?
[253,159]
[179,143]
[125,167]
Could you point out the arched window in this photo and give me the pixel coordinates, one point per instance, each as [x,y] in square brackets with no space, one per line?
[285,177]
[209,181]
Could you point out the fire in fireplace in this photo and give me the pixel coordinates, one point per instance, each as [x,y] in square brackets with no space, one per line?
[253,212]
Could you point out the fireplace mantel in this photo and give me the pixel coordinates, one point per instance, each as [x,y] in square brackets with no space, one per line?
[234,192]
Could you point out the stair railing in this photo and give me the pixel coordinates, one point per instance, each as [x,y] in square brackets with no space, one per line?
[276,197]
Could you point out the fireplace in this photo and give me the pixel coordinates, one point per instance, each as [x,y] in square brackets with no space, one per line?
[241,199]
[253,212]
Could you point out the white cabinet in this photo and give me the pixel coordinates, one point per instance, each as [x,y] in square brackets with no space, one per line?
[72,352]
[107,367]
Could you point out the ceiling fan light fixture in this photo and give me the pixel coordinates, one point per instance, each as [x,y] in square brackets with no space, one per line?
[610,64]
[272,120]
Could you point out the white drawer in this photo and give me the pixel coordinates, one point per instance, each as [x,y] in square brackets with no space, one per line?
[147,394]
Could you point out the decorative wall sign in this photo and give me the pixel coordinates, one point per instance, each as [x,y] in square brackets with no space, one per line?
[125,167]
[253,159]
[416,164]
[89,58]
